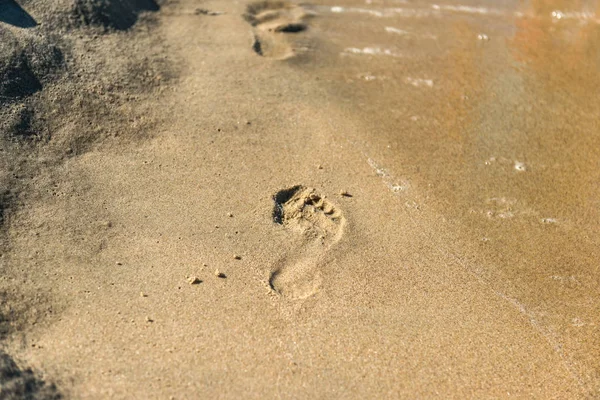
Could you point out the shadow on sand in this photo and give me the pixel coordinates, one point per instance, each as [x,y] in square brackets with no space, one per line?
[12,13]
[112,14]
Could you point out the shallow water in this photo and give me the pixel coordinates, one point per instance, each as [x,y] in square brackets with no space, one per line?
[485,114]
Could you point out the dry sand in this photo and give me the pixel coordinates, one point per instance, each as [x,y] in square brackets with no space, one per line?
[336,200]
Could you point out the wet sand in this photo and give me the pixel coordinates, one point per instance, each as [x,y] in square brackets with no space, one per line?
[401,199]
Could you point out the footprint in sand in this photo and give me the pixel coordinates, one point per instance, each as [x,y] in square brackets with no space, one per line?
[320,225]
[273,22]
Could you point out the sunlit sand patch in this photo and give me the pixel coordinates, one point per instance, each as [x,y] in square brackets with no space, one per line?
[397,31]
[549,221]
[368,77]
[375,13]
[437,10]
[468,9]
[570,278]
[369,2]
[418,82]
[371,51]
[556,15]
[516,165]
[384,12]
[576,322]
[574,15]
[504,208]
[402,32]
[520,166]
[566,281]
[392,184]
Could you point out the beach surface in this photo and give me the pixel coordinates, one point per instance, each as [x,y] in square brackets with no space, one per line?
[341,199]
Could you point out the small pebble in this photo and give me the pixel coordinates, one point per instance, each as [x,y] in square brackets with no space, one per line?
[220,274]
[230,215]
[345,193]
[142,294]
[236,257]
[119,263]
[193,280]
[148,319]
[519,166]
